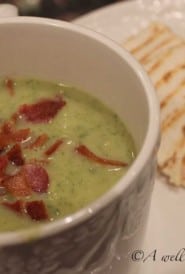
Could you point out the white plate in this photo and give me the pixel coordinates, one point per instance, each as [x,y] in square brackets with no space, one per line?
[166,226]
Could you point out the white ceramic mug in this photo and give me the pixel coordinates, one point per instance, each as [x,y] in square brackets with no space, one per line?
[8,10]
[114,224]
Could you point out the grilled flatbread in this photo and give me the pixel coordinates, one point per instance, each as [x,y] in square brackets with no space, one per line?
[162,53]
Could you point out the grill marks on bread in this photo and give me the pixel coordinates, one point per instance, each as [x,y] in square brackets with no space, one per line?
[162,53]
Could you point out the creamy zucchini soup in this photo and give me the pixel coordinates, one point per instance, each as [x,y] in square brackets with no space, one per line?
[60,149]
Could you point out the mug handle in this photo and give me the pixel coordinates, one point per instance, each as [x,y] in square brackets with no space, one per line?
[8,10]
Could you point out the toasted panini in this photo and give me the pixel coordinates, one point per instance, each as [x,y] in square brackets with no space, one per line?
[162,53]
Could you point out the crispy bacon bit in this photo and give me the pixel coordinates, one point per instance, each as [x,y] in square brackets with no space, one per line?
[43,111]
[3,164]
[21,135]
[53,147]
[36,210]
[17,206]
[5,140]
[40,141]
[9,83]
[9,135]
[7,127]
[37,177]
[84,151]
[15,155]
[17,185]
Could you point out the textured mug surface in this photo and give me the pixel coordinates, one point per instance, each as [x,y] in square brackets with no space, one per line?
[112,226]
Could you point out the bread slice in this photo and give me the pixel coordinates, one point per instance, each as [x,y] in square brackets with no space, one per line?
[162,53]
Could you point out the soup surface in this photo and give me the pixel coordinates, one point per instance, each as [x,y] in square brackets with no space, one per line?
[60,149]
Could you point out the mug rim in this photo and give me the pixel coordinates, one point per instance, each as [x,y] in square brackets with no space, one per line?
[150,142]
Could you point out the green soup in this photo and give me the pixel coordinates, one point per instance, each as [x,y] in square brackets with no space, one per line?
[83,147]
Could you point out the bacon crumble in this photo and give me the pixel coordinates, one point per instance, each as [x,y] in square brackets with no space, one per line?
[40,141]
[84,151]
[17,185]
[42,111]
[36,177]
[36,210]
[53,148]
[15,155]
